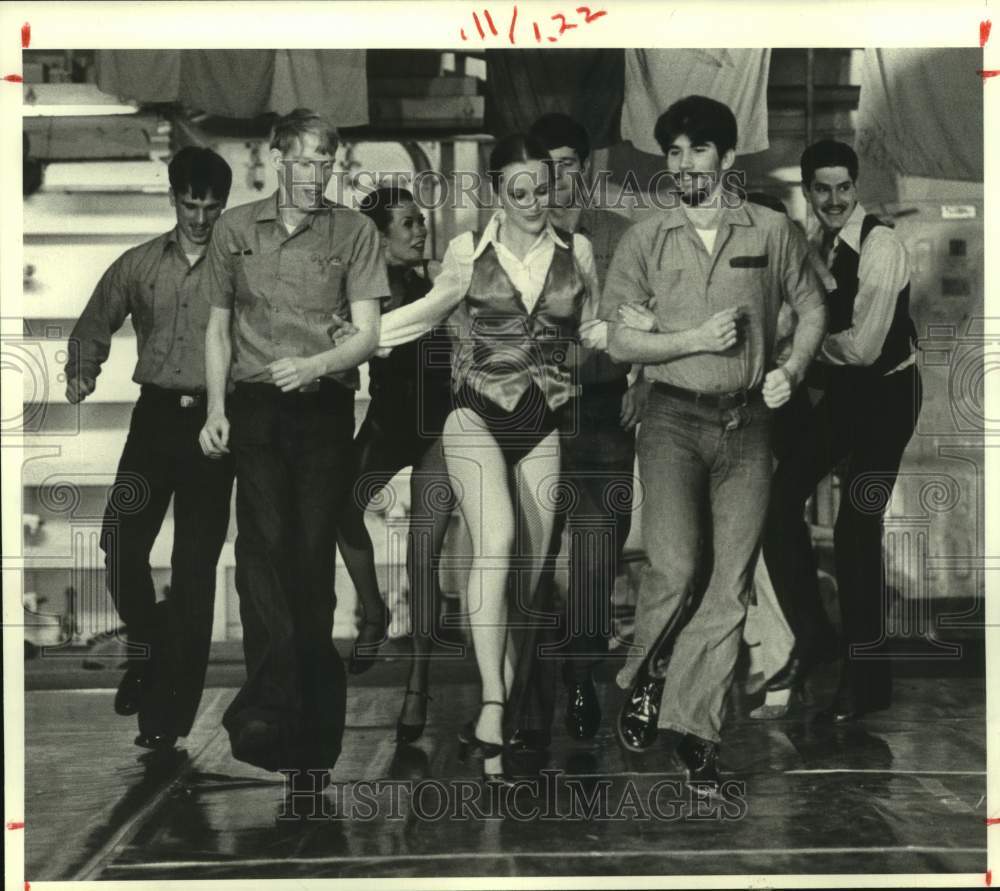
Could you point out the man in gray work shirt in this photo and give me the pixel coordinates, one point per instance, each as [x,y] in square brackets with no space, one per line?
[715,271]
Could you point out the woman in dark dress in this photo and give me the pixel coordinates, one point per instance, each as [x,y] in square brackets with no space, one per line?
[410,399]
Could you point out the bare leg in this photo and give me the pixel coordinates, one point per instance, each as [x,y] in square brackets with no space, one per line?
[479,477]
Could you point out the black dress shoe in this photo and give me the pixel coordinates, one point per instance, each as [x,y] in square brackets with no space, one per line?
[131,687]
[637,719]
[156,741]
[529,740]
[700,759]
[583,710]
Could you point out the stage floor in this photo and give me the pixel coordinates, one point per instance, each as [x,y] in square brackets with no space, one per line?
[904,792]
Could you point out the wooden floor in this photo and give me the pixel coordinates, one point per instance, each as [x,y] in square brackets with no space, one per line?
[903,792]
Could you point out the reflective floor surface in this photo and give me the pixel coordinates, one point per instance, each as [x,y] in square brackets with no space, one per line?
[901,792]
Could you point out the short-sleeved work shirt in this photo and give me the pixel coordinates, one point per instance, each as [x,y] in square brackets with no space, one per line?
[760,261]
[284,288]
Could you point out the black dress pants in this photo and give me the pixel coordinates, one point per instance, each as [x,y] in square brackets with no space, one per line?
[293,455]
[162,459]
[864,424]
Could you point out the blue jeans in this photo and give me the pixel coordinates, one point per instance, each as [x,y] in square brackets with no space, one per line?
[706,476]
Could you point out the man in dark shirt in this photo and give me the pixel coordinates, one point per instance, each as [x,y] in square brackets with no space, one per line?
[872,395]
[715,271]
[159,284]
[280,270]
[598,459]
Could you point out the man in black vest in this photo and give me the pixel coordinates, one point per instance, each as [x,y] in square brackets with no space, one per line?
[866,416]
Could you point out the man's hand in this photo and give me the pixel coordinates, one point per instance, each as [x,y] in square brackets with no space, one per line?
[340,329]
[719,333]
[778,386]
[78,389]
[635,315]
[214,436]
[634,403]
[293,374]
[594,335]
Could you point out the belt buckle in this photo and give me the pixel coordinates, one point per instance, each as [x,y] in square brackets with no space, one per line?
[740,399]
[188,401]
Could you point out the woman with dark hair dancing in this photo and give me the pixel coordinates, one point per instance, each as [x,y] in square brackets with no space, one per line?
[410,399]
[517,294]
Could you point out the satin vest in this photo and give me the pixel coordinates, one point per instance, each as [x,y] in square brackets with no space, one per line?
[502,349]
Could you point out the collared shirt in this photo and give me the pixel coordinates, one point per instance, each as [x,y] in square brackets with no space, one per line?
[760,261]
[883,271]
[163,293]
[284,288]
[527,274]
[604,229]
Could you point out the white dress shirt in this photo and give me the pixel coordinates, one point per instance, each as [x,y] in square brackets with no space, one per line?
[883,271]
[527,274]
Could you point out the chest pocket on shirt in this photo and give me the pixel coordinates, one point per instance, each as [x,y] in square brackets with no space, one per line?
[320,281]
[757,262]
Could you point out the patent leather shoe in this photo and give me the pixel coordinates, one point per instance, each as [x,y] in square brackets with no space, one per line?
[156,741]
[583,710]
[637,719]
[700,759]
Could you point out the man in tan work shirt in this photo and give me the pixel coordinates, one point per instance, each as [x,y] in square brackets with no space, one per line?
[280,270]
[715,271]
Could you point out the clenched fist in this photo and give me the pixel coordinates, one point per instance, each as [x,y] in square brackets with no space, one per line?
[778,386]
[719,333]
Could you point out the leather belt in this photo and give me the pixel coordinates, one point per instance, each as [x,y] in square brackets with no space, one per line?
[721,401]
[174,397]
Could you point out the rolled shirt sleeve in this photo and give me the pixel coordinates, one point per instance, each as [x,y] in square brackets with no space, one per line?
[366,275]
[883,272]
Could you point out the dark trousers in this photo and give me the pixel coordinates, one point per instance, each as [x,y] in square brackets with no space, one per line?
[598,459]
[162,459]
[293,455]
[865,425]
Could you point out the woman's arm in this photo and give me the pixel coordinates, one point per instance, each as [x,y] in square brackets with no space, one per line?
[411,321]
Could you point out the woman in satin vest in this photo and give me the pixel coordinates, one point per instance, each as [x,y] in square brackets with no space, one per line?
[520,295]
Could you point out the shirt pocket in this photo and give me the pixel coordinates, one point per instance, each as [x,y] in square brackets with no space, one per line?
[320,281]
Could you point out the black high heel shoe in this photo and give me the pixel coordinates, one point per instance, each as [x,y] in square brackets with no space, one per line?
[470,742]
[371,635]
[408,733]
